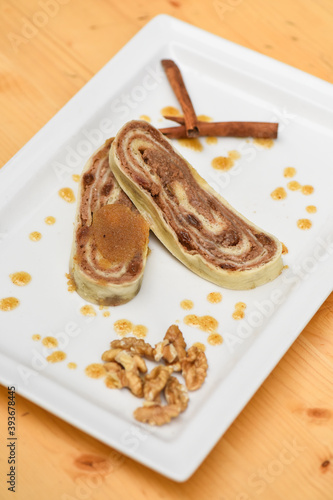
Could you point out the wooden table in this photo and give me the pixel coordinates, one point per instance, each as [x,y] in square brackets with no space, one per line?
[281,445]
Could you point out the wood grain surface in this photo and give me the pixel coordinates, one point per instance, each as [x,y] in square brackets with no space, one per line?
[281,445]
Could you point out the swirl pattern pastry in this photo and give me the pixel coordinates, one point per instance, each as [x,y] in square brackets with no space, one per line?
[110,241]
[193,221]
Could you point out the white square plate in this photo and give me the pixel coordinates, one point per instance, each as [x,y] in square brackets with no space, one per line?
[226,82]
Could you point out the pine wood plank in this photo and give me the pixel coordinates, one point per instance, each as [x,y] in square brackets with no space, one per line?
[281,445]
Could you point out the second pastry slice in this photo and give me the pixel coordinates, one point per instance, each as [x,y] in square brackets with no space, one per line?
[193,221]
[110,243]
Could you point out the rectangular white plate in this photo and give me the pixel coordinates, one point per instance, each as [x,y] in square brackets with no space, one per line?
[226,82]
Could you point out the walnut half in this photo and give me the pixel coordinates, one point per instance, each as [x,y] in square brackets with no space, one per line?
[155,414]
[134,346]
[124,370]
[194,368]
[172,349]
[176,394]
[155,381]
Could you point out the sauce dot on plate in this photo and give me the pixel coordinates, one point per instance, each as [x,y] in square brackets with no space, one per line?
[192,143]
[279,194]
[233,154]
[50,220]
[56,357]
[95,370]
[71,365]
[204,118]
[225,162]
[50,342]
[208,323]
[215,339]
[307,190]
[238,314]
[140,331]
[170,111]
[214,297]
[76,177]
[36,337]
[35,236]
[205,323]
[222,163]
[186,304]
[211,139]
[239,310]
[106,314]
[311,209]
[289,172]
[88,310]
[304,224]
[191,320]
[264,143]
[67,194]
[20,278]
[123,326]
[9,303]
[145,118]
[294,186]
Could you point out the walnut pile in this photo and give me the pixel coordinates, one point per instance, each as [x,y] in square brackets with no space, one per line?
[126,367]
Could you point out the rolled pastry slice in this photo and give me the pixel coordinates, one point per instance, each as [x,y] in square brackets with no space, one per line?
[110,241]
[194,222]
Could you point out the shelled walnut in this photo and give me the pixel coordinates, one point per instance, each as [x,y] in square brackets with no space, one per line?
[124,370]
[126,367]
[134,346]
[194,368]
[172,349]
[152,411]
[155,381]
[176,393]
[155,414]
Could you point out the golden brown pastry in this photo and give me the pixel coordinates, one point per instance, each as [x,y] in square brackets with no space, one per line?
[110,241]
[194,222]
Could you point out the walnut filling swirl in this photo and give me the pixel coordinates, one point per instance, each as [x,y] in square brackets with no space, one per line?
[200,221]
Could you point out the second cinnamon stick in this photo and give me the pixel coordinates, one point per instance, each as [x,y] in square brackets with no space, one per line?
[258,130]
[177,83]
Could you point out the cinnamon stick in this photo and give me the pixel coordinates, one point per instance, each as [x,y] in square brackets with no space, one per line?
[258,130]
[177,83]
